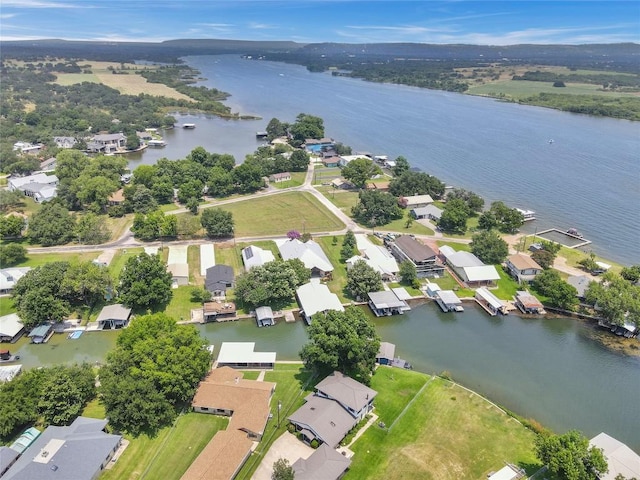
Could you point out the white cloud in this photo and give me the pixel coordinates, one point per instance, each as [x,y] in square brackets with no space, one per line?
[261,26]
[42,4]
[4,16]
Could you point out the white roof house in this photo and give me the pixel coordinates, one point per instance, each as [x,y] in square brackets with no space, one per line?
[316,297]
[379,258]
[620,458]
[242,355]
[253,256]
[309,252]
[414,201]
[9,277]
[16,183]
[505,473]
[469,267]
[10,325]
[207,258]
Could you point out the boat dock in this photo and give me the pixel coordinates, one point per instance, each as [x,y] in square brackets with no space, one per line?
[562,237]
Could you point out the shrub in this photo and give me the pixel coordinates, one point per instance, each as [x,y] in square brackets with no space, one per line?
[314,443]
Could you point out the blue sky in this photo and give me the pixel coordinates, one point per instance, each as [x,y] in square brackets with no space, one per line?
[306,21]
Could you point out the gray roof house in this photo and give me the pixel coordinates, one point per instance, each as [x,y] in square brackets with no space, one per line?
[77,452]
[218,279]
[114,316]
[9,277]
[65,142]
[325,463]
[580,283]
[107,143]
[620,458]
[7,458]
[336,406]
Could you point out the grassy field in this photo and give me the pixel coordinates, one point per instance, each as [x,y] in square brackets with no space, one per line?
[507,286]
[120,258]
[181,305]
[447,282]
[229,254]
[6,306]
[37,259]
[517,89]
[276,215]
[455,245]
[446,433]
[400,226]
[117,226]
[297,179]
[66,79]
[339,278]
[170,452]
[193,259]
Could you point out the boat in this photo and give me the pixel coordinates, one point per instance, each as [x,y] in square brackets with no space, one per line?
[551,141]
[189,125]
[156,143]
[574,233]
[527,214]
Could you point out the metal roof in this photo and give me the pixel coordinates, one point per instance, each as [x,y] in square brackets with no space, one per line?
[243,352]
[449,297]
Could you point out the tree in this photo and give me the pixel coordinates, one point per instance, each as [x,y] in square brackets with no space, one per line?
[616,299]
[217,222]
[344,341]
[155,368]
[589,263]
[273,284]
[65,392]
[401,167]
[293,235]
[282,470]
[192,205]
[190,189]
[362,279]
[19,399]
[306,126]
[154,225]
[10,199]
[299,161]
[416,183]
[570,457]
[92,230]
[499,216]
[275,129]
[144,282]
[544,258]
[454,217]
[51,225]
[489,247]
[376,208]
[140,199]
[84,283]
[474,202]
[12,254]
[558,292]
[359,170]
[11,226]
[408,272]
[133,142]
[349,246]
[631,274]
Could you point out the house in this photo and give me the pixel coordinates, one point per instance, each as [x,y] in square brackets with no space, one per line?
[116,198]
[448,301]
[341,184]
[422,256]
[41,334]
[377,257]
[316,297]
[317,145]
[522,267]
[324,463]
[335,407]
[469,268]
[242,355]
[430,212]
[218,279]
[179,274]
[11,328]
[386,353]
[331,162]
[622,461]
[580,283]
[527,303]
[386,303]
[225,392]
[40,186]
[9,277]
[415,201]
[28,148]
[309,252]
[508,472]
[264,317]
[382,186]
[8,457]
[79,452]
[107,143]
[65,142]
[280,177]
[253,256]
[48,165]
[346,159]
[114,316]
[219,311]
[490,302]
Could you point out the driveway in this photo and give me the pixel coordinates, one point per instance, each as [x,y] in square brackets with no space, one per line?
[287,446]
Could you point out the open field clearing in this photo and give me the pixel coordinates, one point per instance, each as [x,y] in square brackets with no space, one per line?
[517,89]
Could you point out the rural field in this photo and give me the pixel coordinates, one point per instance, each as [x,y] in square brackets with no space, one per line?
[128,83]
[518,89]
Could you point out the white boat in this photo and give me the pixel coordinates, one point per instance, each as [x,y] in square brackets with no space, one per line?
[189,125]
[156,143]
[527,214]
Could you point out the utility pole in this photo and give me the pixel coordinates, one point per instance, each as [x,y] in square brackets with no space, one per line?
[279,407]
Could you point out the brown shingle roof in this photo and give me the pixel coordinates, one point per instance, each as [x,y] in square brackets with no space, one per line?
[523,262]
[221,458]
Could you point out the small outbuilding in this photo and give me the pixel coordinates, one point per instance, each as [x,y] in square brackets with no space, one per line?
[264,317]
[490,302]
[316,297]
[386,303]
[386,353]
[280,177]
[621,460]
[41,334]
[179,274]
[325,463]
[219,311]
[114,316]
[527,303]
[11,328]
[448,301]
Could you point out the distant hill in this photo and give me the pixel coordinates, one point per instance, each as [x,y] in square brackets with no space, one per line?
[619,57]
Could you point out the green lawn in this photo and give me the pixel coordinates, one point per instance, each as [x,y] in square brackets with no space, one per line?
[446,433]
[37,259]
[180,305]
[507,286]
[66,79]
[120,258]
[6,306]
[342,199]
[518,89]
[193,259]
[339,279]
[170,452]
[277,214]
[400,226]
[293,384]
[324,175]
[455,245]
[94,409]
[447,282]
[229,254]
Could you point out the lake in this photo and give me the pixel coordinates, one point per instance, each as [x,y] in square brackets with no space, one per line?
[588,178]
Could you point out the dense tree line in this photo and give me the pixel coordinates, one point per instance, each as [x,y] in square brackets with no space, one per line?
[56,395]
[144,283]
[615,107]
[615,299]
[152,373]
[558,292]
[607,80]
